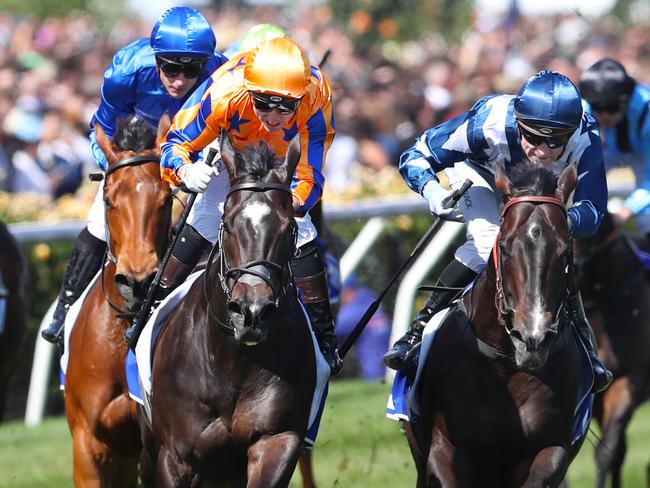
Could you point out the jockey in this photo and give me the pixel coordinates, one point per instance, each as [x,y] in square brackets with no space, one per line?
[272,94]
[544,124]
[147,77]
[620,105]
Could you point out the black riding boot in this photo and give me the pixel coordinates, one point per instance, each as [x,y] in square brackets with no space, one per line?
[84,262]
[187,251]
[602,376]
[455,275]
[310,278]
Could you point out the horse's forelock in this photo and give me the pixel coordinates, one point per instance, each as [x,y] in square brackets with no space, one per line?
[134,134]
[532,180]
[256,161]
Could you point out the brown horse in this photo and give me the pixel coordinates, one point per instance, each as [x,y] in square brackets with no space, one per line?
[617,300]
[234,372]
[501,382]
[13,277]
[101,416]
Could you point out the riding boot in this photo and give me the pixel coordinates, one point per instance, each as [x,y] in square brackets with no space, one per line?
[455,275]
[187,251]
[309,275]
[84,262]
[602,376]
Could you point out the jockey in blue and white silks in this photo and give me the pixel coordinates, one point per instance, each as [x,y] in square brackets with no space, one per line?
[620,106]
[543,124]
[147,78]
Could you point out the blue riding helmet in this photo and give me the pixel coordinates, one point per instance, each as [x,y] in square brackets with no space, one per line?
[548,104]
[183,32]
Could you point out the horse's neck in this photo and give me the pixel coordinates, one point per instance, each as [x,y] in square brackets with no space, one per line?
[481,309]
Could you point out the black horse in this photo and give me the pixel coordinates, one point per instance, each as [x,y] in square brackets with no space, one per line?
[13,279]
[616,294]
[501,381]
[234,371]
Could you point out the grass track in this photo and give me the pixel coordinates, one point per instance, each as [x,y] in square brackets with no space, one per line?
[357,447]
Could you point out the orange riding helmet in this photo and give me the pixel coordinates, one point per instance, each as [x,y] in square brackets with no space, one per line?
[278,66]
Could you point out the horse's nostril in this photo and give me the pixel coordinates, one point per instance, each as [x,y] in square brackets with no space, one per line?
[267,312]
[235,311]
[124,280]
[516,334]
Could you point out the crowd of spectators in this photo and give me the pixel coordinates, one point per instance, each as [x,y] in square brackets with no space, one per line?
[51,72]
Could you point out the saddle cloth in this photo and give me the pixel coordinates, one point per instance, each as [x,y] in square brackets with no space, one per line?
[404,399]
[138,365]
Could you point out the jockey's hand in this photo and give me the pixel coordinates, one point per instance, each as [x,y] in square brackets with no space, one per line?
[196,176]
[436,195]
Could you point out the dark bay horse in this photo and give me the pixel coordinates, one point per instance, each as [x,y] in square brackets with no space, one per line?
[234,371]
[616,294]
[501,381]
[13,279]
[102,417]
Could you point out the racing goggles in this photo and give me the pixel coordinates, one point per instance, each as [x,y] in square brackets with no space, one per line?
[267,103]
[610,108]
[553,141]
[173,68]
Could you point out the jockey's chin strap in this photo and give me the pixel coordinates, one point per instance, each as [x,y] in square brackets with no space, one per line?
[261,268]
[504,311]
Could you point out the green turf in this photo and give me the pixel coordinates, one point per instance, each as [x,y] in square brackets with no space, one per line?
[357,447]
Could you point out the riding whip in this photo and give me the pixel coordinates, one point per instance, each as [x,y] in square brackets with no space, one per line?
[132,334]
[451,201]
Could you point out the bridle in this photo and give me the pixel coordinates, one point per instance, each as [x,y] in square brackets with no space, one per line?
[110,256]
[504,310]
[260,268]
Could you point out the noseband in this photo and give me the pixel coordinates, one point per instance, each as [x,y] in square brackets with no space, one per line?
[504,311]
[260,268]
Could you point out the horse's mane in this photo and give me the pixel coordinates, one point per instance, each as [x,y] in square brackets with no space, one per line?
[256,161]
[135,134]
[532,180]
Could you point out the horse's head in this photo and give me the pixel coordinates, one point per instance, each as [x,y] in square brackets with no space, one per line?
[531,259]
[257,236]
[137,204]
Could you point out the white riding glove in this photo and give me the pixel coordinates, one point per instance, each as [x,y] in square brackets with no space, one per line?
[436,196]
[197,176]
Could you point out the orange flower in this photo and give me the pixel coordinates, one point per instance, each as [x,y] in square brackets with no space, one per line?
[360,22]
[387,28]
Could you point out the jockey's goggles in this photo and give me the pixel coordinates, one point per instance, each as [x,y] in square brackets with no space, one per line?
[267,103]
[174,67]
[610,107]
[553,141]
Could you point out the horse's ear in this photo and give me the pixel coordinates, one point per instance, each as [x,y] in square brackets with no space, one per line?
[503,183]
[228,154]
[163,127]
[567,182]
[292,157]
[105,144]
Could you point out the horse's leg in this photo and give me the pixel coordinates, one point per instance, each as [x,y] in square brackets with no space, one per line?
[306,469]
[416,454]
[548,468]
[439,470]
[272,460]
[618,405]
[87,455]
[171,470]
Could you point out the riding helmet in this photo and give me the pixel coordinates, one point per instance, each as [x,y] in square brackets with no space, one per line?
[278,66]
[183,32]
[548,103]
[606,82]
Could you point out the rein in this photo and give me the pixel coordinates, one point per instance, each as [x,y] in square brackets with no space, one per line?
[123,163]
[503,309]
[226,272]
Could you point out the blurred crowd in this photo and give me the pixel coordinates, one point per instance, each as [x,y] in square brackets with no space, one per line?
[51,72]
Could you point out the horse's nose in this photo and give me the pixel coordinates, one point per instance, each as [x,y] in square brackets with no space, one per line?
[532,340]
[254,315]
[131,288]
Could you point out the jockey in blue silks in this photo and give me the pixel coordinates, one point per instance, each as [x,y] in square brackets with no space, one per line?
[543,124]
[147,78]
[620,106]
